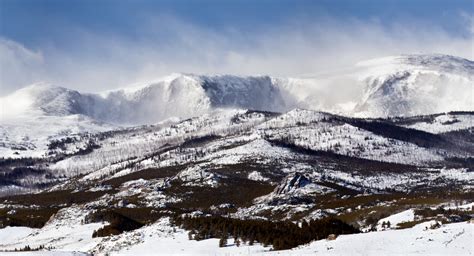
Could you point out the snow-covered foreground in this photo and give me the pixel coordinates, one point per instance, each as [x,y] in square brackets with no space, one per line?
[65,232]
[450,239]
[178,244]
[162,239]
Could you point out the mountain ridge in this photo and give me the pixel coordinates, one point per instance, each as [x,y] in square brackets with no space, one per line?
[403,85]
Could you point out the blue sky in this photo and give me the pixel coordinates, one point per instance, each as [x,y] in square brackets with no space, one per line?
[105,44]
[27,21]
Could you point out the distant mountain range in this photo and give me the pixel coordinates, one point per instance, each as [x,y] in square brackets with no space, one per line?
[392,86]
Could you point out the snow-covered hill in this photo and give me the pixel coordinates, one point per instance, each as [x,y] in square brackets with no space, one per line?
[232,137]
[241,164]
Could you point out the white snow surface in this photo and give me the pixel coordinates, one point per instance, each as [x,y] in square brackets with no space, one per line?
[395,219]
[256,176]
[450,239]
[160,238]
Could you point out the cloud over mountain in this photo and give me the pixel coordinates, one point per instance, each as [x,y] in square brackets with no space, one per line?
[165,44]
[393,86]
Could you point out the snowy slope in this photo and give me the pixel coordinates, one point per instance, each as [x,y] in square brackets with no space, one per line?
[229,137]
[141,143]
[450,239]
[395,219]
[30,136]
[315,131]
[64,232]
[246,140]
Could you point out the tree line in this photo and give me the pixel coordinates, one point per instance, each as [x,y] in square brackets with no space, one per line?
[280,235]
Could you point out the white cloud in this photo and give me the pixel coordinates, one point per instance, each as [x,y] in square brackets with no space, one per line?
[18,65]
[165,45]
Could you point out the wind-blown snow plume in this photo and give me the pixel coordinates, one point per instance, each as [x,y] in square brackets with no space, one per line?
[391,86]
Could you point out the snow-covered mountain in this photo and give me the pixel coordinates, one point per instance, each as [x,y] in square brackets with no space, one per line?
[133,169]
[178,95]
[393,86]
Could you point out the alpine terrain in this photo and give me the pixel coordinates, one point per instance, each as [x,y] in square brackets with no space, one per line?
[222,164]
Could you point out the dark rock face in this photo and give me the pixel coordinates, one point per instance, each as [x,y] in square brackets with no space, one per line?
[292,182]
[258,93]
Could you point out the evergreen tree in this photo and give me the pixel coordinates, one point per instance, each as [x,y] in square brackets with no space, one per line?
[223,241]
[251,240]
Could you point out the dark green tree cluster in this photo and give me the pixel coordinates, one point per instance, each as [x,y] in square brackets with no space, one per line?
[118,223]
[280,234]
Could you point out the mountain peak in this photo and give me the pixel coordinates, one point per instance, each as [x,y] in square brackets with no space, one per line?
[415,84]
